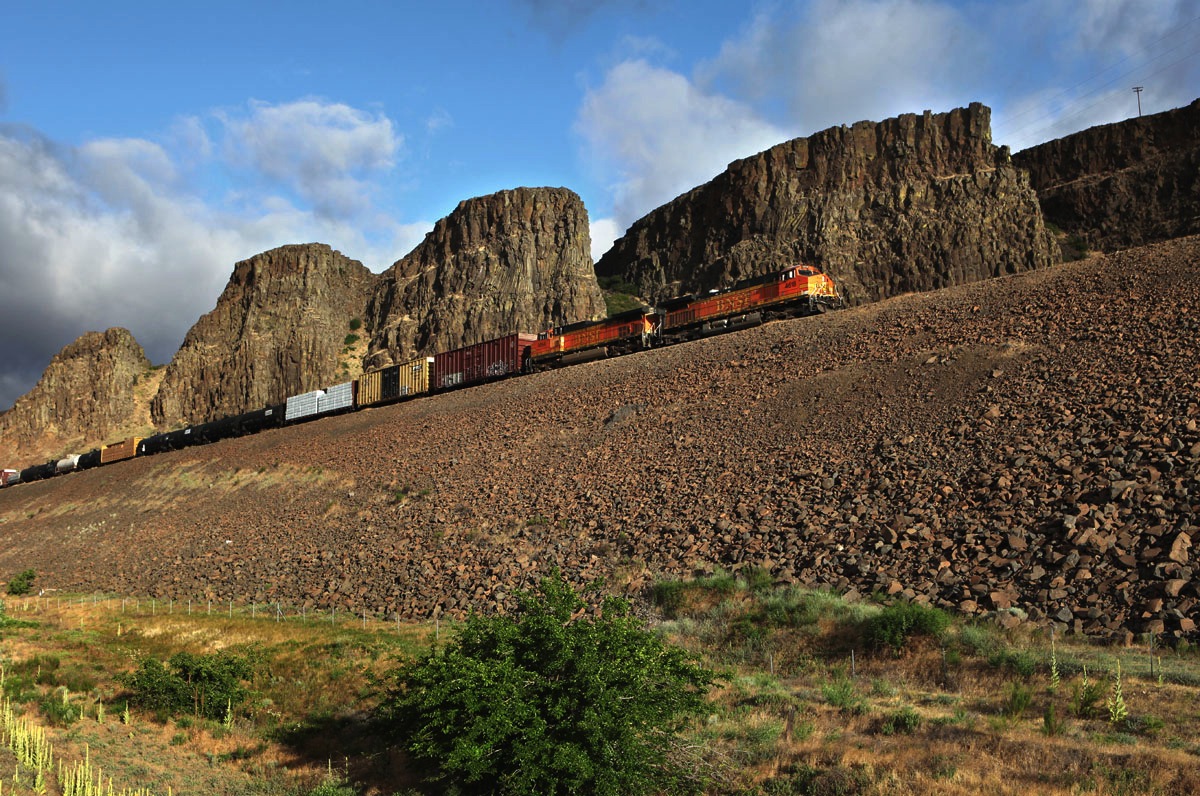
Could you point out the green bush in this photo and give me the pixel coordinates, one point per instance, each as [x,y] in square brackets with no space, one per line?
[22,582]
[906,720]
[355,324]
[204,685]
[894,625]
[350,340]
[58,708]
[550,700]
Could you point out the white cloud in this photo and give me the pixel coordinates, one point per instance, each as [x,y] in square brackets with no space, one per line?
[325,152]
[119,232]
[662,136]
[835,62]
[603,231]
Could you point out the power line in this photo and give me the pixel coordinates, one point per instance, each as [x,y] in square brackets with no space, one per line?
[1050,118]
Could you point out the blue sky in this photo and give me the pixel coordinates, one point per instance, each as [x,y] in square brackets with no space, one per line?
[145,147]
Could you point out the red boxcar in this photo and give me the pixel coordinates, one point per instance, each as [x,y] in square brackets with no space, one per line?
[485,361]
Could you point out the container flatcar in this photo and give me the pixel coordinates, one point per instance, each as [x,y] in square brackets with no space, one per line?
[9,477]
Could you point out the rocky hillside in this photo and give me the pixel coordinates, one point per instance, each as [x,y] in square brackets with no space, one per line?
[1027,443]
[1124,184]
[514,261]
[912,203]
[88,393]
[280,328]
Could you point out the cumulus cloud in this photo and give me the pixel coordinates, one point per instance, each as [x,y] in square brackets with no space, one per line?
[834,62]
[661,136]
[120,232]
[323,151]
[603,231]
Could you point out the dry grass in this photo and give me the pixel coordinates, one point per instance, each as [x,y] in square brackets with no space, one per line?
[806,707]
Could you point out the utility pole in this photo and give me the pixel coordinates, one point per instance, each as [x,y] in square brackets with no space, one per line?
[1138,90]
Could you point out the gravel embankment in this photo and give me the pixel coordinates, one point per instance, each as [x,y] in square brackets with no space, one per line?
[1029,442]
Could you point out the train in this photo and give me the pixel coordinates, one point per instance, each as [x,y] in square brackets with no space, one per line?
[796,291]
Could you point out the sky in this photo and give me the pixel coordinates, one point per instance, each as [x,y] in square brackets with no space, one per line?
[146,147]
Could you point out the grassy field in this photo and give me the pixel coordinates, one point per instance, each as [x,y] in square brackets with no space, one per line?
[820,696]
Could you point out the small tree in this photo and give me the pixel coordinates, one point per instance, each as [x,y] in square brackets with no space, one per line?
[205,685]
[550,701]
[22,582]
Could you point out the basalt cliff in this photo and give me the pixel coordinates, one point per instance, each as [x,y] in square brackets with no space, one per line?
[1124,184]
[918,202]
[86,395]
[280,328]
[515,261]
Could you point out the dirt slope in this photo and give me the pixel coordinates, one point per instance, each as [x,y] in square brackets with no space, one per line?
[1029,441]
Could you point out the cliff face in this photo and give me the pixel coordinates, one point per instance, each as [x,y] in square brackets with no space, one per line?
[917,202]
[1124,184]
[514,261]
[85,396]
[281,327]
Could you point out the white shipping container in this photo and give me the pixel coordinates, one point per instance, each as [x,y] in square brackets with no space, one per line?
[303,405]
[336,398]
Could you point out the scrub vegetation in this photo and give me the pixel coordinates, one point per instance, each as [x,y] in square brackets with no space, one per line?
[727,684]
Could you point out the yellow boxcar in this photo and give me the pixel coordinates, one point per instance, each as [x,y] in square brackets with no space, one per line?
[119,450]
[394,382]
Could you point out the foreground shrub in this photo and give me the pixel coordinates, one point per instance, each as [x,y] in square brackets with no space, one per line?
[22,582]
[550,701]
[893,626]
[209,686]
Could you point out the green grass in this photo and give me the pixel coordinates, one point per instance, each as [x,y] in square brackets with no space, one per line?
[809,694]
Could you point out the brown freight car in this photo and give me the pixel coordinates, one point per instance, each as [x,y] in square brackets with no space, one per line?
[492,359]
[120,450]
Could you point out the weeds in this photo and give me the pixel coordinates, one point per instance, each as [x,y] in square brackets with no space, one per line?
[906,721]
[1117,711]
[893,626]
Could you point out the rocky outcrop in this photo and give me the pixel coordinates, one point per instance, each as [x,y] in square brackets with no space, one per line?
[85,396]
[1124,184]
[913,203]
[514,261]
[286,323]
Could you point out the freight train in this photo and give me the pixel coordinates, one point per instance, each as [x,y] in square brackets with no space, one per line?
[800,290]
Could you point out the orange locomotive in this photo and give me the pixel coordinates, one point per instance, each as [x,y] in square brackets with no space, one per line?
[579,342]
[800,290]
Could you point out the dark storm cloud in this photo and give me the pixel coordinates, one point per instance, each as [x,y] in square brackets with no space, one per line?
[112,232]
